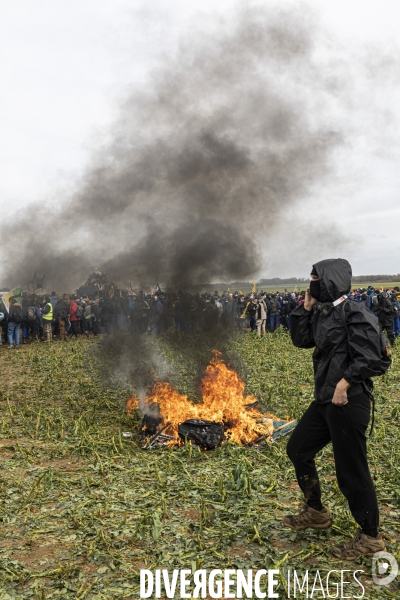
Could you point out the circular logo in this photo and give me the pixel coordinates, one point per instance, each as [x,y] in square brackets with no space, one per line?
[384,568]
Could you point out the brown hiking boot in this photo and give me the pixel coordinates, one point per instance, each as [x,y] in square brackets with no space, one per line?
[308,518]
[360,545]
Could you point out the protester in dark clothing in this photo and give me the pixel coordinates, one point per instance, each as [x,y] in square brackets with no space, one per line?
[53,299]
[25,325]
[252,312]
[156,312]
[96,317]
[196,315]
[288,304]
[210,313]
[141,313]
[226,315]
[168,315]
[386,312]
[347,353]
[15,319]
[107,314]
[371,300]
[29,317]
[124,304]
[178,316]
[186,306]
[396,320]
[240,313]
[24,300]
[83,327]
[273,310]
[118,321]
[36,324]
[61,310]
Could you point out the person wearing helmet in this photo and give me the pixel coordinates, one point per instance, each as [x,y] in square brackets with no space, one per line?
[347,342]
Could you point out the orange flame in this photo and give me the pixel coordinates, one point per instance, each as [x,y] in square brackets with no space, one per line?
[223,402]
[131,405]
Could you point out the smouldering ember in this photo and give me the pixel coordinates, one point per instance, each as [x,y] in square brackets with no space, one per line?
[223,401]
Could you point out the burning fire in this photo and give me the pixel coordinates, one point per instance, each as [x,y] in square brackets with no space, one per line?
[132,404]
[223,402]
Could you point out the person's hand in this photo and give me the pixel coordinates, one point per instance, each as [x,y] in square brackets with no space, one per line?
[340,395]
[309,301]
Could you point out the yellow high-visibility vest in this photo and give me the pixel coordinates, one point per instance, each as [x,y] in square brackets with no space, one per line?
[48,316]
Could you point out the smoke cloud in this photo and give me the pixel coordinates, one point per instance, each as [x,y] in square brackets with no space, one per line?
[228,134]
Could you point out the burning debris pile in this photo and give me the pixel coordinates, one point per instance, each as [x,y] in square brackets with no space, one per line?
[224,414]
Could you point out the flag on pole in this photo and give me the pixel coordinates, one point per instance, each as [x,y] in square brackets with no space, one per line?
[16,292]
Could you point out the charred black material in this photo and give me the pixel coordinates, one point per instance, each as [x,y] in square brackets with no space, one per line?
[206,434]
[253,405]
[150,424]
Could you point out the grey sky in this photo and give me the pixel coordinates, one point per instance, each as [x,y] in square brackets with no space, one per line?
[65,68]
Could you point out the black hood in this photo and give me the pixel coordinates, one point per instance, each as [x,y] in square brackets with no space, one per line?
[335,277]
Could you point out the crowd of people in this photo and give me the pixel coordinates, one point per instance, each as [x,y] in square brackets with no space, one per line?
[53,316]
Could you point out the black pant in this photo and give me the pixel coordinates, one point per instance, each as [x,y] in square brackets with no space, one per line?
[107,325]
[95,327]
[345,427]
[35,329]
[389,332]
[76,327]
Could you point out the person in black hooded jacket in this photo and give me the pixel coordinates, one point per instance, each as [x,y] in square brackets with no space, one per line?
[385,313]
[346,338]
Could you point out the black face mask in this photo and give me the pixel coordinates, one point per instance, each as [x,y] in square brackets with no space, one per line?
[315,289]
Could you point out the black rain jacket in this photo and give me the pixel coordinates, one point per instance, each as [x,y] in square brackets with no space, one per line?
[357,354]
[385,311]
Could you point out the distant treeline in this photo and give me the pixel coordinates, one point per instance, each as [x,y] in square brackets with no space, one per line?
[300,281]
[279,281]
[377,278]
[354,279]
[245,285]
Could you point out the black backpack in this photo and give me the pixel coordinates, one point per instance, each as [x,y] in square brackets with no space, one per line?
[31,313]
[273,305]
[79,312]
[18,315]
[387,305]
[386,360]
[62,314]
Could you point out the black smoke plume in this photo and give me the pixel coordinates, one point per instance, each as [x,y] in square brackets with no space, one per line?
[227,135]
